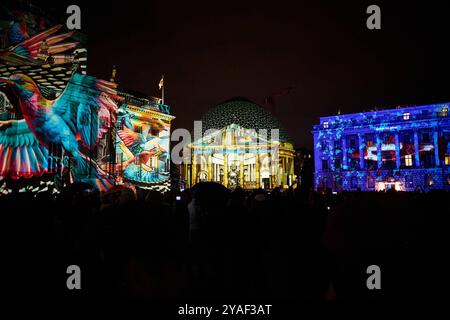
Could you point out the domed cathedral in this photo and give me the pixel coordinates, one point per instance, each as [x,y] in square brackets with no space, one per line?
[241,144]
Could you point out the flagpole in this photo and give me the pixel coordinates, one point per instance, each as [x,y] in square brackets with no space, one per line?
[162,90]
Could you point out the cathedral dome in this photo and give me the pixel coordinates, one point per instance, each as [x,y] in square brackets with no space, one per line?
[244,113]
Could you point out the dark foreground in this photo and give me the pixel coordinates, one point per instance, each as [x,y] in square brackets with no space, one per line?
[256,246]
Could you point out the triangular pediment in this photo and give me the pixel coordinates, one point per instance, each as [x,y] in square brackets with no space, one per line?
[234,135]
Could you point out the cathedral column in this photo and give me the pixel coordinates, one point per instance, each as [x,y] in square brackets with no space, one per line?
[285,171]
[291,170]
[275,171]
[210,169]
[279,180]
[288,171]
[397,150]
[225,170]
[436,147]
[241,171]
[257,171]
[416,148]
[194,169]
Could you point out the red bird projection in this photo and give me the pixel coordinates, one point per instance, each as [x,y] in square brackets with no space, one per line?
[76,120]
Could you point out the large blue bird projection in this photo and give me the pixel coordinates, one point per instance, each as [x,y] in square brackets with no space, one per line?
[75,121]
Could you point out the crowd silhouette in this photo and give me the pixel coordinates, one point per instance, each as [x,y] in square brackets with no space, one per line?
[210,243]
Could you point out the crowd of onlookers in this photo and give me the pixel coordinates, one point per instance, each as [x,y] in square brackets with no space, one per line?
[213,243]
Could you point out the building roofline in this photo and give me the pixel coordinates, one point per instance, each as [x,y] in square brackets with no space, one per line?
[381,111]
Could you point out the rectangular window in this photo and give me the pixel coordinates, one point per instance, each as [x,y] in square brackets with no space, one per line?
[337,145]
[370,182]
[447,160]
[354,182]
[429,180]
[337,163]
[409,182]
[407,139]
[406,115]
[354,164]
[325,125]
[324,165]
[408,160]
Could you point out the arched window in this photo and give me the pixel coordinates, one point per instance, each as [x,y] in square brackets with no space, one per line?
[203,176]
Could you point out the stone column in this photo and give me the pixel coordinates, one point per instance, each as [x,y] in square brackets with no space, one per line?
[210,169]
[285,170]
[225,170]
[397,150]
[241,172]
[361,143]
[257,171]
[379,155]
[317,154]
[288,171]
[280,175]
[330,155]
[194,170]
[416,148]
[277,179]
[344,153]
[436,147]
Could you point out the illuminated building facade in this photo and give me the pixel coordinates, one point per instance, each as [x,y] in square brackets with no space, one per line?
[242,145]
[142,155]
[99,134]
[402,149]
[58,125]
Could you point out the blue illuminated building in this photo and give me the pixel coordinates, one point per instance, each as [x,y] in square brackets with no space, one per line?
[404,149]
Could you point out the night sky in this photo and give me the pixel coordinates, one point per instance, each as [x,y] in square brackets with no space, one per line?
[210,52]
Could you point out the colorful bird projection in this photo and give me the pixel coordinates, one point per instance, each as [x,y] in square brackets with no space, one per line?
[44,47]
[144,152]
[76,121]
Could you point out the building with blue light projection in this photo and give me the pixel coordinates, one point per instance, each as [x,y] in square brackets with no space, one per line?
[403,149]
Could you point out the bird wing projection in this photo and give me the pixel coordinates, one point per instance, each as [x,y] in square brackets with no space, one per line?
[86,106]
[21,154]
[76,121]
[44,43]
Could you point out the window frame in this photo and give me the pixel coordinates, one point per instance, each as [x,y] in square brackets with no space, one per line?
[406,116]
[408,160]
